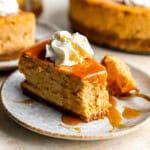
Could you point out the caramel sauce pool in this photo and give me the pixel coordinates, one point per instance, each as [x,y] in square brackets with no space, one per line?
[71,119]
[77,130]
[130,113]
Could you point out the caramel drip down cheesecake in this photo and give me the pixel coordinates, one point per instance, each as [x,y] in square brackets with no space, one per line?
[62,72]
[17,30]
[121,24]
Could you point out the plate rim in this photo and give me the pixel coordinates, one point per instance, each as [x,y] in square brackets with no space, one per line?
[57,135]
[7,66]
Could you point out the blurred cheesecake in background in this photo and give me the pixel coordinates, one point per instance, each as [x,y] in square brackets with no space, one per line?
[17,29]
[121,24]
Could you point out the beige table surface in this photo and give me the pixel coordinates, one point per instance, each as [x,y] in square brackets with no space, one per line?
[15,137]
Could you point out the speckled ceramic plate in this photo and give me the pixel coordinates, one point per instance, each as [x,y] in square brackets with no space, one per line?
[46,120]
[44,31]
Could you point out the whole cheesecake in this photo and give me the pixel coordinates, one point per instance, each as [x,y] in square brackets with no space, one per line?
[113,24]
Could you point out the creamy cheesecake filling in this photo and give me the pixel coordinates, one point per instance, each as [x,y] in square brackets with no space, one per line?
[8,7]
[144,3]
[68,49]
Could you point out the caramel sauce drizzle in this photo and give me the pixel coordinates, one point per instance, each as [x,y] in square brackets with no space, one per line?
[114,115]
[37,50]
[88,68]
[70,119]
[130,113]
[136,94]
[27,102]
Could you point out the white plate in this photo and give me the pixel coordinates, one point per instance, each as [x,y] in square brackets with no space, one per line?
[46,120]
[43,31]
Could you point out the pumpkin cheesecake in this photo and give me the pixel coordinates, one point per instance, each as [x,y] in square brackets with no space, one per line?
[62,72]
[119,24]
[17,30]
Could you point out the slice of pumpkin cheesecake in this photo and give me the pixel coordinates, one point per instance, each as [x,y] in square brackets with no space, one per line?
[62,71]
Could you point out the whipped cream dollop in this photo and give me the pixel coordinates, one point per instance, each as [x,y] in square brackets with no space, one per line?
[8,7]
[68,49]
[144,3]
